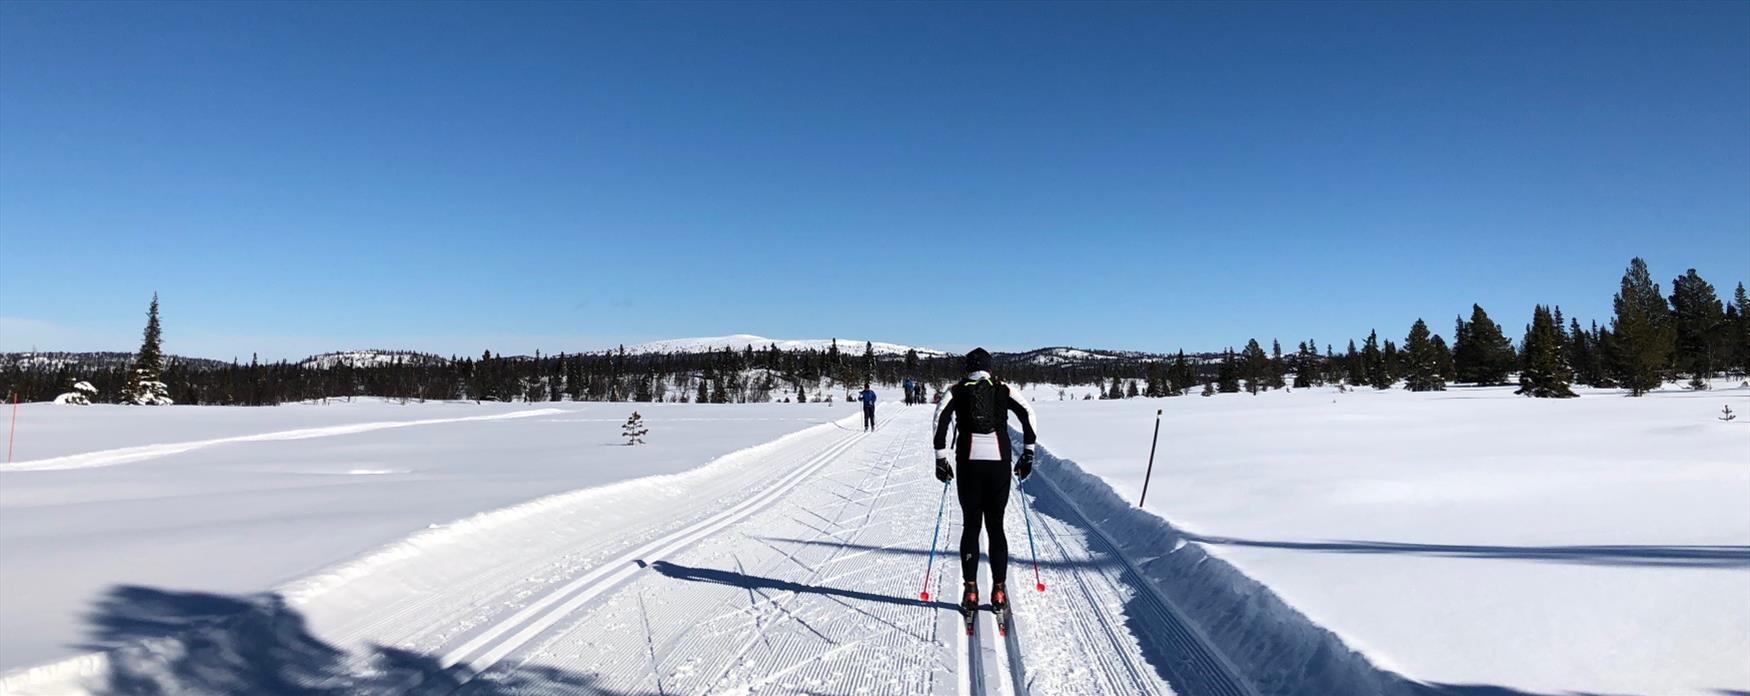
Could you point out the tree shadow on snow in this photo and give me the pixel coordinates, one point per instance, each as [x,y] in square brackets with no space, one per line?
[1614,555]
[166,642]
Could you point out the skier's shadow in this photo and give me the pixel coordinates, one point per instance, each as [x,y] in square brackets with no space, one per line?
[755,582]
[166,642]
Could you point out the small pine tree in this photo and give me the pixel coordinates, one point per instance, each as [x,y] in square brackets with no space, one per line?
[634,430]
[1130,389]
[1209,389]
[145,386]
[1545,373]
[82,394]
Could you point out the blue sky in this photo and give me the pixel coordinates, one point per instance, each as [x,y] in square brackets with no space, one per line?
[454,178]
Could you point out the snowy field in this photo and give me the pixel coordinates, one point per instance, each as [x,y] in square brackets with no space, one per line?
[1300,543]
[1595,545]
[238,500]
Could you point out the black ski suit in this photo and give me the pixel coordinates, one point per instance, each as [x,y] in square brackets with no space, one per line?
[980,410]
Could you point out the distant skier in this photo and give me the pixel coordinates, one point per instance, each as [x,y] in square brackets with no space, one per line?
[868,398]
[980,406]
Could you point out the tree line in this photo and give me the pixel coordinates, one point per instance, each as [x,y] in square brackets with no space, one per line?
[1650,339]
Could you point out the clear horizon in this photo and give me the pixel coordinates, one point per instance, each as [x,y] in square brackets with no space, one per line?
[295,179]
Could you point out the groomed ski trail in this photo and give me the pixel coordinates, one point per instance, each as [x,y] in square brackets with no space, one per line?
[792,567]
[817,593]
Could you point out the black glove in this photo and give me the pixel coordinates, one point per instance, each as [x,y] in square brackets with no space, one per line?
[1025,466]
[943,472]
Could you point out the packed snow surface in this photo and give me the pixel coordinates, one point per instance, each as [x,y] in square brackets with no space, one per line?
[1596,545]
[233,499]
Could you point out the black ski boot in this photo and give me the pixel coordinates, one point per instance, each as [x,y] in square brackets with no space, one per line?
[969,605]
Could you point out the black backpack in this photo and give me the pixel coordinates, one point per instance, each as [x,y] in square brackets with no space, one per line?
[983,410]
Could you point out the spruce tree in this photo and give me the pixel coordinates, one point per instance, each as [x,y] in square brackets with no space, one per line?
[1482,354]
[1603,356]
[1700,324]
[1357,366]
[1228,375]
[1373,363]
[1579,353]
[1254,367]
[1443,357]
[1274,378]
[1303,366]
[1562,337]
[1157,384]
[1545,373]
[145,385]
[1180,376]
[1422,362]
[1641,330]
[1741,341]
[1394,366]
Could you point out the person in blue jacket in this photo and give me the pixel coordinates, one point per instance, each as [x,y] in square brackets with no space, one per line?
[868,398]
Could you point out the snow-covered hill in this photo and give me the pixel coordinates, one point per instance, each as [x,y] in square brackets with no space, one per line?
[1058,356]
[848,346]
[49,361]
[368,358]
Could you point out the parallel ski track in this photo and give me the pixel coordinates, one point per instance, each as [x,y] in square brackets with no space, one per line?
[433,619]
[1193,667]
[493,643]
[708,637]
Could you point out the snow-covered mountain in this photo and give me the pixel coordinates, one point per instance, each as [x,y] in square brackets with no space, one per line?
[848,346]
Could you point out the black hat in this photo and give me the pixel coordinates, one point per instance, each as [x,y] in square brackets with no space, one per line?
[978,360]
